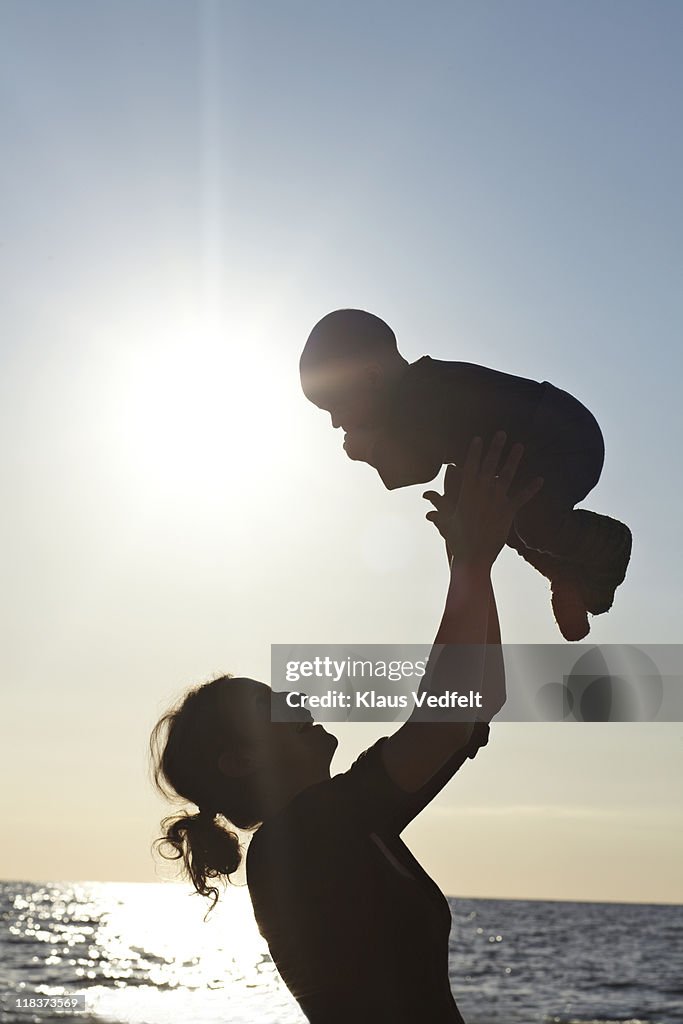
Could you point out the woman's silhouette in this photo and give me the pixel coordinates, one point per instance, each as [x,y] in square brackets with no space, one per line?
[357,929]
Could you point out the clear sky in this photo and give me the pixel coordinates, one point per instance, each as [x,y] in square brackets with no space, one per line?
[188,187]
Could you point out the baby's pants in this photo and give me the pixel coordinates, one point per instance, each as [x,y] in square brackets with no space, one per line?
[566,448]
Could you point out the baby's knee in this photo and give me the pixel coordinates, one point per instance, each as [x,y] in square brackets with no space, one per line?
[537,523]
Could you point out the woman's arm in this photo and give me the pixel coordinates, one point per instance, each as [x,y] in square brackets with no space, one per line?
[466,654]
[494,671]
[495,668]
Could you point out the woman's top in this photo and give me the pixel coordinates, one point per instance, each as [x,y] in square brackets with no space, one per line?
[357,929]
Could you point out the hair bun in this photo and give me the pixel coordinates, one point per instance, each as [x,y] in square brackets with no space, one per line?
[206,847]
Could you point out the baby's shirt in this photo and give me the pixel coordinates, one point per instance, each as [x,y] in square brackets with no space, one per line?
[436,410]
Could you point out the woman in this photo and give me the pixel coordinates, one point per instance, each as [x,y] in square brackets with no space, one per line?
[357,929]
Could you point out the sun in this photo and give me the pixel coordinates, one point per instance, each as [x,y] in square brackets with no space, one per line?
[198,410]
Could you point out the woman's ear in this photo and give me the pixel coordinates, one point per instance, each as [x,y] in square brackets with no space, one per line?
[236,763]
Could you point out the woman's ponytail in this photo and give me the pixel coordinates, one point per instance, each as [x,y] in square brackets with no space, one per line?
[185,746]
[207,849]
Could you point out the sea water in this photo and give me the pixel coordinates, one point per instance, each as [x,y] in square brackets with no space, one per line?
[143,954]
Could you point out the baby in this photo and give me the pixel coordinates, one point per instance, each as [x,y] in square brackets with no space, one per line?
[408,419]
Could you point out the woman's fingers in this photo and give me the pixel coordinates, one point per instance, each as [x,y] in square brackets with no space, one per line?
[507,473]
[471,467]
[492,457]
[453,477]
[452,484]
[469,502]
[527,493]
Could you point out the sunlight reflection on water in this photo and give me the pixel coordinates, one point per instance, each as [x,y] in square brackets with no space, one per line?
[130,947]
[142,954]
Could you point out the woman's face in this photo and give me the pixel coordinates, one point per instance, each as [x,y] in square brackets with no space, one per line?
[285,747]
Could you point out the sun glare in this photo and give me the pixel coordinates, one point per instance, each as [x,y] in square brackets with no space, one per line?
[199,413]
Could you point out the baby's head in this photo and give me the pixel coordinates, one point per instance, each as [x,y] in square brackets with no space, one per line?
[349,365]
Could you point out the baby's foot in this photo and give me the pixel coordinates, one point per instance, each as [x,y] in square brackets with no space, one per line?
[600,581]
[569,606]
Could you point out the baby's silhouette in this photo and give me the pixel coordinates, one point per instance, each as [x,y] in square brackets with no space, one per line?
[409,419]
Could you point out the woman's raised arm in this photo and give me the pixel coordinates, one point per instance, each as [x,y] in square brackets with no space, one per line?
[475,530]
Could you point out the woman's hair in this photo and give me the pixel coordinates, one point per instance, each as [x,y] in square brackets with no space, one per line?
[185,746]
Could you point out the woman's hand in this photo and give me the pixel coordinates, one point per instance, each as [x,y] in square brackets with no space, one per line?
[475,513]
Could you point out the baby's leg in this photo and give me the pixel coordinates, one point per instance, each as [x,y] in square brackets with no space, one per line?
[597,546]
[566,448]
[585,555]
[567,599]
[550,524]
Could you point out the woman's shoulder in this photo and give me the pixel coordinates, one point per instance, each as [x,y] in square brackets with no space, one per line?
[320,825]
[322,803]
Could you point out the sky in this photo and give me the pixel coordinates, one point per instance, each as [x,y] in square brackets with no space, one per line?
[188,187]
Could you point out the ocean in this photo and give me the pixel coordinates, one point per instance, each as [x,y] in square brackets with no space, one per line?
[142,954]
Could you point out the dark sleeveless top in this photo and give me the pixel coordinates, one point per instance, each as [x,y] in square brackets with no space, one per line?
[357,929]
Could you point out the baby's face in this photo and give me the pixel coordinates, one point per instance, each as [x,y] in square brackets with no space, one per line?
[355,398]
[355,411]
[354,404]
